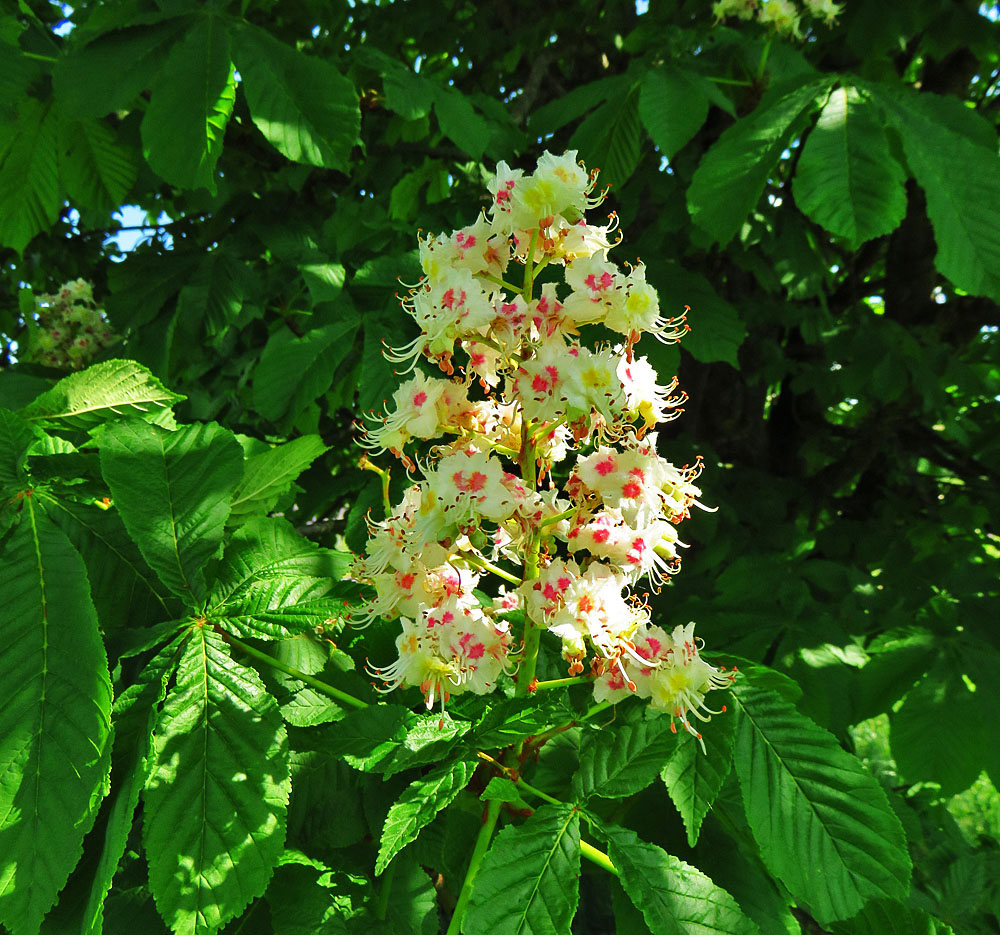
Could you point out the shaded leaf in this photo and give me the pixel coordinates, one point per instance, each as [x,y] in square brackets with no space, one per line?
[192,100]
[96,169]
[29,175]
[728,182]
[295,371]
[672,107]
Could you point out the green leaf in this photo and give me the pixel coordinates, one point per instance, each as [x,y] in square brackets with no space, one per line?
[508,720]
[295,371]
[269,475]
[304,706]
[693,778]
[563,110]
[609,138]
[728,182]
[674,897]
[215,801]
[29,175]
[528,882]
[822,823]
[101,393]
[672,107]
[134,713]
[419,803]
[109,72]
[847,180]
[16,437]
[124,588]
[97,170]
[962,184]
[460,122]
[716,329]
[172,490]
[325,281]
[215,296]
[624,758]
[268,566]
[307,110]
[938,732]
[889,917]
[192,100]
[54,720]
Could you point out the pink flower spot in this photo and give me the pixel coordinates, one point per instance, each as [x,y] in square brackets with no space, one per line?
[553,373]
[419,399]
[563,583]
[406,581]
[605,467]
[631,490]
[601,535]
[539,384]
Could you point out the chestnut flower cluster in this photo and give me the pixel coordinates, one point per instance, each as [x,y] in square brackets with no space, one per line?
[783,16]
[485,506]
[69,329]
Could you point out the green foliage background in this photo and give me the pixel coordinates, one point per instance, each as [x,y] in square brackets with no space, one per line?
[830,210]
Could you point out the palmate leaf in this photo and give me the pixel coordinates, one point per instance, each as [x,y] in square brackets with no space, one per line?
[674,897]
[305,107]
[822,823]
[29,175]
[418,805]
[172,490]
[123,586]
[269,475]
[962,182]
[267,570]
[294,371]
[134,713]
[938,733]
[54,720]
[528,882]
[728,182]
[847,180]
[97,170]
[623,759]
[693,778]
[215,801]
[889,917]
[192,100]
[16,437]
[672,107]
[107,73]
[104,391]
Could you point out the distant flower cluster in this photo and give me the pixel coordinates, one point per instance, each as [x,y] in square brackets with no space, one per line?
[784,16]
[486,505]
[70,328]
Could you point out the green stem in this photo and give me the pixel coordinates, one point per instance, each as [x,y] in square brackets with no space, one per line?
[738,81]
[294,673]
[529,267]
[559,517]
[39,57]
[559,683]
[369,465]
[382,905]
[595,709]
[478,853]
[763,57]
[544,796]
[489,566]
[598,857]
[502,282]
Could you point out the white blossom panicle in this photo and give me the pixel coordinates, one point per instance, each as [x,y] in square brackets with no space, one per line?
[485,548]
